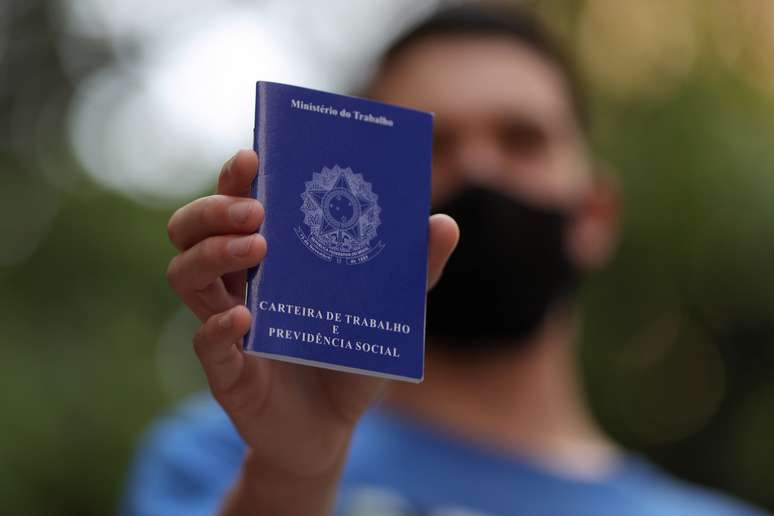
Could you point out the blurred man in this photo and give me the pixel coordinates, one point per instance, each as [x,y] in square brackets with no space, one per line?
[500,425]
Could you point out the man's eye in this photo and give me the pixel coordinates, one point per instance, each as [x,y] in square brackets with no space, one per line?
[524,138]
[442,141]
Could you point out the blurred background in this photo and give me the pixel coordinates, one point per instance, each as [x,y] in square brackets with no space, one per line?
[114,113]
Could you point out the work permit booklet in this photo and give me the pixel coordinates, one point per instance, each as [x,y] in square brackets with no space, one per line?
[345,183]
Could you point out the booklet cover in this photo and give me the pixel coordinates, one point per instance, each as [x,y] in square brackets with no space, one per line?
[345,183]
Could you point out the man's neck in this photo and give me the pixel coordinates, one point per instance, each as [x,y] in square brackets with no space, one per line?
[529,403]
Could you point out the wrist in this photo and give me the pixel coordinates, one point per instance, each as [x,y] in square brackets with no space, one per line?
[283,490]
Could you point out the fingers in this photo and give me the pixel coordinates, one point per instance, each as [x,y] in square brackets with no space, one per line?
[443,237]
[210,232]
[217,346]
[213,215]
[237,174]
[195,273]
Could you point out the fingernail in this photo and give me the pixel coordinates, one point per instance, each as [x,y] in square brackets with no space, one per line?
[225,321]
[240,246]
[240,211]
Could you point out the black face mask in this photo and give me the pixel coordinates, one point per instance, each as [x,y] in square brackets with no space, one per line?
[509,268]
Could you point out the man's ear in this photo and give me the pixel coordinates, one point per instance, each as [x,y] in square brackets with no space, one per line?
[593,235]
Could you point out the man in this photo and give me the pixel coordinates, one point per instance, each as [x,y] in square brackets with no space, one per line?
[499,426]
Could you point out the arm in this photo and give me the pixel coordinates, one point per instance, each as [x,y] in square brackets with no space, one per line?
[296,420]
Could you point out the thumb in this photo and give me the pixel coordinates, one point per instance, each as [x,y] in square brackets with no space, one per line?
[443,237]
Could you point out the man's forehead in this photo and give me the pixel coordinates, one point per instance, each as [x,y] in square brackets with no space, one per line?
[467,77]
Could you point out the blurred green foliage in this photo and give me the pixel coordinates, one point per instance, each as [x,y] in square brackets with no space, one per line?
[677,347]
[679,330]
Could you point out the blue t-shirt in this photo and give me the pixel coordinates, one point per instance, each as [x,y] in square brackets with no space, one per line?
[187,462]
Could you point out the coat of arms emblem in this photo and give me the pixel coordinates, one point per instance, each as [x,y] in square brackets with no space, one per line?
[341,216]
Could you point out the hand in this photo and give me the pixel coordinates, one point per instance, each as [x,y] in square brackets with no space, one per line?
[296,420]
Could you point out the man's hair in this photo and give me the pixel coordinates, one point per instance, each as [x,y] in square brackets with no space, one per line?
[490,19]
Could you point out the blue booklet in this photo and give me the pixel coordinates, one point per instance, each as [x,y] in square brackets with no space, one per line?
[345,183]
